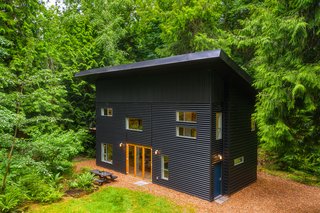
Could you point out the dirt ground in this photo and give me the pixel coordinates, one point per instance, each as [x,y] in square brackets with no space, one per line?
[268,194]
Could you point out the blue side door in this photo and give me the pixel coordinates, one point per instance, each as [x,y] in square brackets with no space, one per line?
[217,179]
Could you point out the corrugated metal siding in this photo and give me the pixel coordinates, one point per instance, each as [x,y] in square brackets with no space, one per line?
[183,85]
[239,141]
[189,159]
[155,98]
[113,130]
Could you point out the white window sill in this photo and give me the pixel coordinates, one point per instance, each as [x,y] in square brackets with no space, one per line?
[136,130]
[163,178]
[179,136]
[108,162]
[191,122]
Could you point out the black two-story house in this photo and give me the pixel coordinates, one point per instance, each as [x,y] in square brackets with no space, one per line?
[183,122]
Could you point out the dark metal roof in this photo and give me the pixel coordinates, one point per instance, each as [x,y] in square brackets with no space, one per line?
[185,59]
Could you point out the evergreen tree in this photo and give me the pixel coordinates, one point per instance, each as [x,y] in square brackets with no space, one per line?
[278,43]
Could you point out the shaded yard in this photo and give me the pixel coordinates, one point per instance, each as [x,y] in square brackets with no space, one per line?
[112,199]
[268,194]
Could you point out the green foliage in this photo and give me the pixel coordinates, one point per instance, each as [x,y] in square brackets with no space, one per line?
[116,200]
[37,188]
[11,198]
[44,109]
[277,43]
[83,181]
[287,75]
[57,150]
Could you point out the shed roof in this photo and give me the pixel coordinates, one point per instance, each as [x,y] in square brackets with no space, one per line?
[214,56]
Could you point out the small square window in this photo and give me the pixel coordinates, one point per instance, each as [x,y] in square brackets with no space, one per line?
[238,161]
[107,112]
[134,124]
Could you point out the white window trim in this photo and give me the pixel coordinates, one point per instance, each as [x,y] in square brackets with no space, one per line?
[107,115]
[240,162]
[184,121]
[183,136]
[219,126]
[102,154]
[253,124]
[163,169]
[127,126]
[102,111]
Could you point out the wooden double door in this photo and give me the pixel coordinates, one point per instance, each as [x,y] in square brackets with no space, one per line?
[139,161]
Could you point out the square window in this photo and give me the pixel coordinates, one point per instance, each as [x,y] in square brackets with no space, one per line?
[107,112]
[238,161]
[134,124]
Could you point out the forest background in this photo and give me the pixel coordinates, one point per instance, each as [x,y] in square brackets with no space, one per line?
[45,112]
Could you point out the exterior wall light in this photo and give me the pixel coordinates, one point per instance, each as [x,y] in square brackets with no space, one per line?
[121,144]
[216,158]
[157,152]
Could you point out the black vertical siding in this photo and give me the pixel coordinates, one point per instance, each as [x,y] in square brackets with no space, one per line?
[183,85]
[155,98]
[113,130]
[142,111]
[239,140]
[189,159]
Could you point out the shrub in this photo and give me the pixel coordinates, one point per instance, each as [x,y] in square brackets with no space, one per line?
[39,188]
[57,149]
[83,181]
[11,198]
[9,201]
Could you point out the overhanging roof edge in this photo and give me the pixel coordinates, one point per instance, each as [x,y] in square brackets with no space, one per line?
[190,57]
[170,61]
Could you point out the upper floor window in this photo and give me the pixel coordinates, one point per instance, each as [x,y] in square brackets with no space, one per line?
[218,125]
[107,112]
[186,117]
[253,124]
[186,132]
[106,152]
[134,124]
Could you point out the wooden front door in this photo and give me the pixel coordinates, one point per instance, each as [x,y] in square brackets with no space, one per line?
[139,161]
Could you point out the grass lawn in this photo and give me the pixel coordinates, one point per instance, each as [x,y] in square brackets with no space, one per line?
[113,199]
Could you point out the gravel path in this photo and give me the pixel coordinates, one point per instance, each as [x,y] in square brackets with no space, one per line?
[268,194]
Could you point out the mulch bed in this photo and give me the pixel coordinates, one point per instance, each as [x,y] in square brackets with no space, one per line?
[268,194]
[75,193]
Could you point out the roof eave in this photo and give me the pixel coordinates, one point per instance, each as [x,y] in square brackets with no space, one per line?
[168,62]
